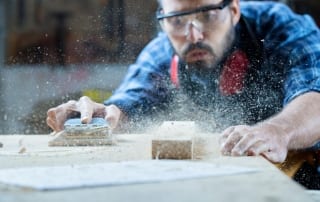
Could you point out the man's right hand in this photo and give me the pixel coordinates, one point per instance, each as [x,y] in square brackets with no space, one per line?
[87,109]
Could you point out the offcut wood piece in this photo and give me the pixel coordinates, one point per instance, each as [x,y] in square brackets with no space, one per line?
[96,133]
[197,147]
[177,140]
[172,149]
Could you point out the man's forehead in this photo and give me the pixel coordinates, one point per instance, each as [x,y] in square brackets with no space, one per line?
[180,5]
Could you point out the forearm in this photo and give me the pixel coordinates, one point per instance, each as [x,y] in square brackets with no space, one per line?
[300,120]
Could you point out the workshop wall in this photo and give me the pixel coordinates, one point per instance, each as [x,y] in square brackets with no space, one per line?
[56,50]
[63,32]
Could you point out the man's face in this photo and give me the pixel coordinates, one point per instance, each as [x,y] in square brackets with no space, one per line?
[201,38]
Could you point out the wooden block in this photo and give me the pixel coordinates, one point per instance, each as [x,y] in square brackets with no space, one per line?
[182,140]
[172,149]
[200,146]
[173,140]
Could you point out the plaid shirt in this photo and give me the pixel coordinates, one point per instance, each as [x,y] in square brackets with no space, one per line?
[290,66]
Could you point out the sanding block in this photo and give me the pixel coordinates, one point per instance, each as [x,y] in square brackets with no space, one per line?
[75,133]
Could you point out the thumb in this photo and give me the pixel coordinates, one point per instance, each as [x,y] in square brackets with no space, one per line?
[86,115]
[85,107]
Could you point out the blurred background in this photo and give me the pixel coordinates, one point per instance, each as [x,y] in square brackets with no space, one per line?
[52,51]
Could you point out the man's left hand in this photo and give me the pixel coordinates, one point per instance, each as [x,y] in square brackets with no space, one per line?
[266,139]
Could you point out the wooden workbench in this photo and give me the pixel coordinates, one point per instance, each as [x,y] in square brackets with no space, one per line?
[268,184]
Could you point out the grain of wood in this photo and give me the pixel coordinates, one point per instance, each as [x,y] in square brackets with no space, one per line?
[172,149]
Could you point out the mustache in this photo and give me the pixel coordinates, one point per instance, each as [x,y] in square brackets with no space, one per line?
[198,45]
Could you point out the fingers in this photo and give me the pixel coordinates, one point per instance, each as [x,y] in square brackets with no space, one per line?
[245,144]
[225,134]
[257,149]
[241,140]
[86,107]
[231,142]
[275,156]
[229,138]
[51,120]
[253,141]
[113,114]
[57,116]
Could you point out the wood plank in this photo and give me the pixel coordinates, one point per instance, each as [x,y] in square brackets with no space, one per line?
[267,184]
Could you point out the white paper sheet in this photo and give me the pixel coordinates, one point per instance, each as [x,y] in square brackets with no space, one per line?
[113,173]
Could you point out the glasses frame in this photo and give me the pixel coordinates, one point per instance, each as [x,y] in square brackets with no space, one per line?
[160,16]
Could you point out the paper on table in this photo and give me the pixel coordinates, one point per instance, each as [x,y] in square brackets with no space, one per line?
[113,173]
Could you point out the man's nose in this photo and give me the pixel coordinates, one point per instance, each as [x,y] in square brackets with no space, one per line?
[194,34]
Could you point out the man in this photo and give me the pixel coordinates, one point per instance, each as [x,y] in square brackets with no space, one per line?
[254,67]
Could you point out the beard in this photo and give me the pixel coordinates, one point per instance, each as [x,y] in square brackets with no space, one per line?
[228,42]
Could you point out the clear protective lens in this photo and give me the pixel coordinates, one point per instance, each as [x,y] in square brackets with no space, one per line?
[203,20]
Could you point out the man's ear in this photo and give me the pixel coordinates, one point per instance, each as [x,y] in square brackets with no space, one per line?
[235,11]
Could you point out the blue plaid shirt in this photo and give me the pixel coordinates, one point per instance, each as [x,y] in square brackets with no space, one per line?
[290,66]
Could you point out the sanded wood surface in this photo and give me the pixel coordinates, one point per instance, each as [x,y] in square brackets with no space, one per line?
[172,149]
[268,184]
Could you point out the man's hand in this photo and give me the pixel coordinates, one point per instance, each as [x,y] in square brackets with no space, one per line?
[86,108]
[266,139]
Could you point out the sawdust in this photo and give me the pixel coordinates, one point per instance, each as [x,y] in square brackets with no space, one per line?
[176,129]
[22,150]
